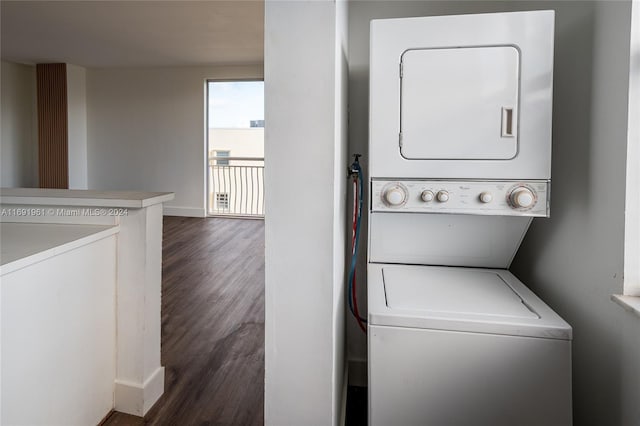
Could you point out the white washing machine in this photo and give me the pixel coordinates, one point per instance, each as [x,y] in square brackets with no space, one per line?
[459,165]
[455,346]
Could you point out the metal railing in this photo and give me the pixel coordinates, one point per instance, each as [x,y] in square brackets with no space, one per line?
[236,186]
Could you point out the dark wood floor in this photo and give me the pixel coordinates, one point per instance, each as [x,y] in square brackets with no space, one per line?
[212,324]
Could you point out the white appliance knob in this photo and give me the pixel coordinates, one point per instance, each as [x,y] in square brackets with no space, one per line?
[443,196]
[523,197]
[486,197]
[426,196]
[395,196]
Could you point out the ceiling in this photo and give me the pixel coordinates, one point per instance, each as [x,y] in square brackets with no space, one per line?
[143,33]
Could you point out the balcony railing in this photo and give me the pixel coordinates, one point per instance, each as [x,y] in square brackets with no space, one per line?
[236,186]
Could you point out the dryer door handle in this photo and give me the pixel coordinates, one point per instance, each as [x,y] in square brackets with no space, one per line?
[507,122]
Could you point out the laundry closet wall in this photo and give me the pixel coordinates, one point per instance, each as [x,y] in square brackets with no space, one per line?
[573,260]
[305,221]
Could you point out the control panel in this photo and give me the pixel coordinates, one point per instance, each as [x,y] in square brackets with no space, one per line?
[499,198]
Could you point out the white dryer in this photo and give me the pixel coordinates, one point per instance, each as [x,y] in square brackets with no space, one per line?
[459,165]
[461,97]
[459,346]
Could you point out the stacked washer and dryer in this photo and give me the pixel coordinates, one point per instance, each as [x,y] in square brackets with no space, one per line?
[459,165]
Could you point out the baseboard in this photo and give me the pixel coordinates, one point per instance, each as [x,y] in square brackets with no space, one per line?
[184,211]
[358,372]
[136,399]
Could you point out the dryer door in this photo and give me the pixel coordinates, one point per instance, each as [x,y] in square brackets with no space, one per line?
[459,103]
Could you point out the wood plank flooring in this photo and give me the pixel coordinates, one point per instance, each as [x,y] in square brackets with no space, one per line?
[212,324]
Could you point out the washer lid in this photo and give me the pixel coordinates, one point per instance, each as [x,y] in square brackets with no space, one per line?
[455,291]
[490,301]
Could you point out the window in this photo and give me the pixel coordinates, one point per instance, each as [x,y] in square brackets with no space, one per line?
[632,207]
[235,148]
[222,162]
[631,293]
[222,200]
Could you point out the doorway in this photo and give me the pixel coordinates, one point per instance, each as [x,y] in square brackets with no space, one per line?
[235,148]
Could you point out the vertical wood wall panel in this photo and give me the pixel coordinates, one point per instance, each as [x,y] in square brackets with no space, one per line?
[53,158]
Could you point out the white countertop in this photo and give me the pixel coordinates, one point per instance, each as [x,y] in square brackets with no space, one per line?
[23,244]
[82,197]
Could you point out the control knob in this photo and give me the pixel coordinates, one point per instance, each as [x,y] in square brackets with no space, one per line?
[522,197]
[443,196]
[486,197]
[395,196]
[426,196]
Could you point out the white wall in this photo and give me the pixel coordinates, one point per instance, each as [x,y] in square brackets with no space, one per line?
[305,157]
[340,247]
[19,133]
[19,150]
[146,130]
[573,260]
[77,126]
[59,336]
